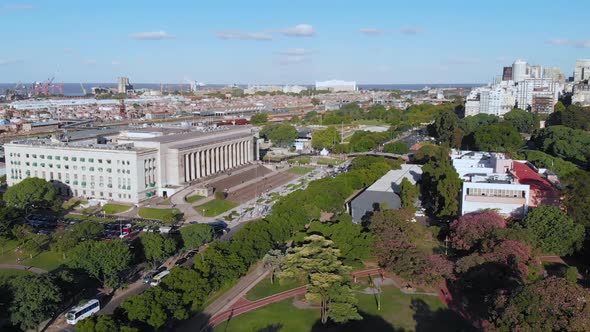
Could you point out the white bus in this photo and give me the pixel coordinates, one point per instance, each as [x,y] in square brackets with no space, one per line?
[82,311]
[158,277]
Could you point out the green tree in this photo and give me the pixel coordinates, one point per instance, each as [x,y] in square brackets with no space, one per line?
[442,128]
[281,134]
[104,261]
[35,299]
[576,190]
[8,219]
[543,160]
[325,138]
[396,147]
[259,118]
[102,323]
[31,193]
[553,231]
[559,107]
[522,120]
[315,101]
[564,142]
[194,236]
[408,193]
[571,274]
[155,307]
[551,304]
[156,247]
[318,263]
[272,262]
[440,186]
[192,288]
[499,137]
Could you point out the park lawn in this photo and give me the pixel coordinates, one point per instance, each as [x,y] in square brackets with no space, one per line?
[47,260]
[88,218]
[399,311]
[328,161]
[215,207]
[165,215]
[300,160]
[299,170]
[193,198]
[112,208]
[264,288]
[72,203]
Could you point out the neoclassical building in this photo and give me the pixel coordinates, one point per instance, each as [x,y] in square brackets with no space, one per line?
[132,165]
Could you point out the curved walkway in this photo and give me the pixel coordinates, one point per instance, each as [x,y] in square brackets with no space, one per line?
[22,268]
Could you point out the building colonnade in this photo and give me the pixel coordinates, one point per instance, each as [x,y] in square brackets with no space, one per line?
[211,160]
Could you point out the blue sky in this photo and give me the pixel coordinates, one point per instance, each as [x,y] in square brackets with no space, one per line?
[280,41]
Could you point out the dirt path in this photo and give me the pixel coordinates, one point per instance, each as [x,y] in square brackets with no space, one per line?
[22,268]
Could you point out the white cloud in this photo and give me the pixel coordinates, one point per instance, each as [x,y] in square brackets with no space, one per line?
[293,59]
[582,44]
[294,51]
[234,34]
[89,62]
[410,30]
[558,41]
[6,62]
[371,31]
[151,35]
[115,62]
[300,30]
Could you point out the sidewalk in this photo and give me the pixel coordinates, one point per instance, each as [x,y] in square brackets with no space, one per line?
[22,268]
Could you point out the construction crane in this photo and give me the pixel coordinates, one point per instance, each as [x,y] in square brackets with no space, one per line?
[83,89]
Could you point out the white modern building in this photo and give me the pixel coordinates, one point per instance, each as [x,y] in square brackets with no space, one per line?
[336,85]
[133,165]
[582,70]
[493,181]
[519,70]
[294,89]
[496,100]
[123,85]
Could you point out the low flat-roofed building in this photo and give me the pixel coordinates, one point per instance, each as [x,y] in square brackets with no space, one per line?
[384,193]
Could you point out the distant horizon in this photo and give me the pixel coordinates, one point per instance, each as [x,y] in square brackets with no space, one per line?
[262,84]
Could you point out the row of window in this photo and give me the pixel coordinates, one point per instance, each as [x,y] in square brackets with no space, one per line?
[66,158]
[495,192]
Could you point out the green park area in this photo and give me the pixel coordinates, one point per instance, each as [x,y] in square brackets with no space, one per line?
[165,215]
[300,170]
[303,160]
[112,208]
[265,288]
[215,207]
[36,256]
[328,161]
[193,198]
[399,312]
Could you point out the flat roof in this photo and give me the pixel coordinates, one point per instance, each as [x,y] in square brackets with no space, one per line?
[194,134]
[385,184]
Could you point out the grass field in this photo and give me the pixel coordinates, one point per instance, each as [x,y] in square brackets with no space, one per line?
[193,198]
[300,160]
[328,161]
[72,203]
[47,260]
[112,208]
[300,170]
[165,215]
[91,218]
[215,207]
[265,288]
[399,312]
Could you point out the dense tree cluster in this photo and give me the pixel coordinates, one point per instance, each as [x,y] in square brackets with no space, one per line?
[259,118]
[543,160]
[564,142]
[499,137]
[280,134]
[467,232]
[440,186]
[523,121]
[575,117]
[553,232]
[31,193]
[325,138]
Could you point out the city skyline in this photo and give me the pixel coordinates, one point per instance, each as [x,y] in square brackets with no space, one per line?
[371,43]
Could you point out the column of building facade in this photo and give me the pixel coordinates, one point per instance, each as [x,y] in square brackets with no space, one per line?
[196,159]
[241,152]
[206,162]
[209,163]
[185,159]
[232,155]
[217,159]
[249,147]
[202,164]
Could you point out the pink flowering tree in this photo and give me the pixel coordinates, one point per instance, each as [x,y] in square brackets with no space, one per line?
[467,232]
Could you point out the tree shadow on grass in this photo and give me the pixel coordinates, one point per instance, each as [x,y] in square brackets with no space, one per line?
[271,328]
[368,323]
[438,320]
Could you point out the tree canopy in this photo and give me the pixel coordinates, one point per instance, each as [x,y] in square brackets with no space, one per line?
[564,142]
[396,147]
[328,280]
[157,247]
[259,118]
[104,261]
[576,190]
[325,138]
[440,186]
[523,121]
[444,124]
[498,137]
[553,231]
[35,299]
[31,193]
[551,304]
[280,134]
[467,232]
[194,236]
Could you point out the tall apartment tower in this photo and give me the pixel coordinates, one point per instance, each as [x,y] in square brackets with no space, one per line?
[582,71]
[123,84]
[507,74]
[519,68]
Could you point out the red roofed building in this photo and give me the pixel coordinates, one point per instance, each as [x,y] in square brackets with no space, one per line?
[542,191]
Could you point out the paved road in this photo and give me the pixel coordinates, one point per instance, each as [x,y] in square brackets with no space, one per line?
[22,268]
